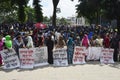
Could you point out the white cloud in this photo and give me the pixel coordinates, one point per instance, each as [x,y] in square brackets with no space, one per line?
[67,7]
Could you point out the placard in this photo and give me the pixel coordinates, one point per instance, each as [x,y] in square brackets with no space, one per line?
[26,57]
[60,57]
[107,56]
[79,55]
[94,53]
[10,59]
[41,56]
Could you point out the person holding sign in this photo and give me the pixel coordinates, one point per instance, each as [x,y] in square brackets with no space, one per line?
[19,44]
[85,41]
[70,49]
[29,41]
[50,45]
[61,43]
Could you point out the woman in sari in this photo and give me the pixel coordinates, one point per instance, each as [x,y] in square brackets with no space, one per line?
[70,49]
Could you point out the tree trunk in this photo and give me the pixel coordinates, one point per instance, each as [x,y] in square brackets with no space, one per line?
[54,17]
[55,3]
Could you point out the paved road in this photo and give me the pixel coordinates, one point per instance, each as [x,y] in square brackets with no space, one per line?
[90,71]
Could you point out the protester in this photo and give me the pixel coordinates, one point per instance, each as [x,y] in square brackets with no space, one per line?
[85,41]
[77,41]
[114,43]
[99,41]
[40,39]
[61,43]
[19,44]
[70,49]
[29,41]
[106,41]
[57,36]
[50,46]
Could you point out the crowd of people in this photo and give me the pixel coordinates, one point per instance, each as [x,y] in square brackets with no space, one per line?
[28,36]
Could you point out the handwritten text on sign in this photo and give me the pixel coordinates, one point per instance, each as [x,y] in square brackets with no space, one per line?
[60,57]
[10,59]
[41,56]
[26,58]
[107,56]
[79,55]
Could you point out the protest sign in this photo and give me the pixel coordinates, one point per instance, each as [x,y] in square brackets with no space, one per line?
[41,56]
[60,57]
[107,56]
[10,59]
[94,53]
[26,57]
[79,55]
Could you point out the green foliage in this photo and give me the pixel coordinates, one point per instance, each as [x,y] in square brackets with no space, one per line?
[30,14]
[7,12]
[38,11]
[93,9]
[21,4]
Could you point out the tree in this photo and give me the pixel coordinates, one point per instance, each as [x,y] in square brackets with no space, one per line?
[7,12]
[112,11]
[30,14]
[38,11]
[92,9]
[21,4]
[55,3]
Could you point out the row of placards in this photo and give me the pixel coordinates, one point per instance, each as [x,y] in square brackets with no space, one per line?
[33,57]
[105,55]
[28,58]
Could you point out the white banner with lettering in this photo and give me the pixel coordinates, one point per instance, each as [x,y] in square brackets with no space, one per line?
[94,53]
[26,57]
[107,56]
[41,56]
[79,55]
[10,59]
[60,57]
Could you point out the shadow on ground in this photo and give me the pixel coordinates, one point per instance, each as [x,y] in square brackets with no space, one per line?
[115,65]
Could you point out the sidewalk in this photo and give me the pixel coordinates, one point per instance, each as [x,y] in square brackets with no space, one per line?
[90,71]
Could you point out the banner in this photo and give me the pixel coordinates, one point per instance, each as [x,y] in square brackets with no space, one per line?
[10,59]
[79,55]
[107,56]
[41,56]
[26,57]
[94,53]
[60,57]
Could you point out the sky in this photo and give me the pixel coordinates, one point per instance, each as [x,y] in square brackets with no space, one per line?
[67,8]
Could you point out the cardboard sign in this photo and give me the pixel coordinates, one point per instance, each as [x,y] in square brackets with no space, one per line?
[79,55]
[41,56]
[94,53]
[107,56]
[10,59]
[60,57]
[26,57]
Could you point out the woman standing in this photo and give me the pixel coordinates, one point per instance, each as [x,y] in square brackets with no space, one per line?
[29,41]
[106,41]
[50,45]
[70,49]
[85,41]
[60,43]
